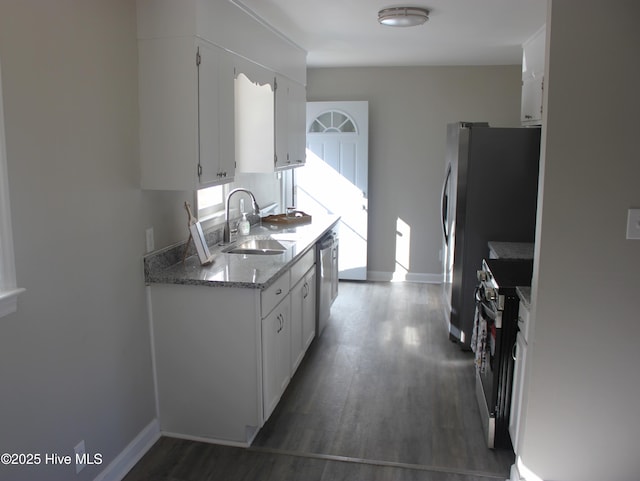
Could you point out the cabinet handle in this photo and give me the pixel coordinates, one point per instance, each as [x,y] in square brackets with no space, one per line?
[306,290]
[514,353]
[278,292]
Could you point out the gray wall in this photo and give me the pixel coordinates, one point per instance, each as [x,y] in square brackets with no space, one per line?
[409,108]
[75,359]
[582,419]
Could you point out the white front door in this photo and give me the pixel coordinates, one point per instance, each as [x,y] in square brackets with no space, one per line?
[335,177]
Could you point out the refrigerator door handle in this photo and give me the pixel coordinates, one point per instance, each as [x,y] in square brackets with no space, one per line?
[444,204]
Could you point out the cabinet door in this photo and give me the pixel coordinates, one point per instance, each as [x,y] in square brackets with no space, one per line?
[297,124]
[533,58]
[290,127]
[186,114]
[276,361]
[297,316]
[226,118]
[216,116]
[532,95]
[282,159]
[309,309]
[303,317]
[168,113]
[517,390]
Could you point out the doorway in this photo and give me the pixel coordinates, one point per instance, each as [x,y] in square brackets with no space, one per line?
[335,177]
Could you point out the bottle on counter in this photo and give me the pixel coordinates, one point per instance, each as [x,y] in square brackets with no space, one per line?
[243,225]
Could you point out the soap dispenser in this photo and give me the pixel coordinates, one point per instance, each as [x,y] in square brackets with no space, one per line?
[243,225]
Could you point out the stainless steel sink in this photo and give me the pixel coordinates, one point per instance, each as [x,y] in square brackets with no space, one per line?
[260,247]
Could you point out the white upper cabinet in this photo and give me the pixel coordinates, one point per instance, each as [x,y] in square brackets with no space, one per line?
[188,54]
[533,54]
[216,113]
[291,104]
[186,114]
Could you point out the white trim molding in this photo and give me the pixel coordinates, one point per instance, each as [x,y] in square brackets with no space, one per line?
[127,459]
[8,288]
[9,301]
[519,472]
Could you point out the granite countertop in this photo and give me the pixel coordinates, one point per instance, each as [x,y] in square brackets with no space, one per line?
[510,250]
[524,293]
[236,270]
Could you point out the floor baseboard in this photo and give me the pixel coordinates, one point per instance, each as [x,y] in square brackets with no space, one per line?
[424,278]
[519,472]
[130,455]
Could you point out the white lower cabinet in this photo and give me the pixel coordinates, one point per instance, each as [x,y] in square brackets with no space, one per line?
[309,310]
[276,367]
[303,317]
[518,377]
[207,359]
[223,355]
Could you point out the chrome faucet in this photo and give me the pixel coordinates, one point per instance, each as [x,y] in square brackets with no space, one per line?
[226,233]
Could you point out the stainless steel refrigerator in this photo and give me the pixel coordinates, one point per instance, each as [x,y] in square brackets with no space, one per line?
[489,194]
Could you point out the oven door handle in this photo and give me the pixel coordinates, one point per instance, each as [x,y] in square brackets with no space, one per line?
[487,311]
[494,316]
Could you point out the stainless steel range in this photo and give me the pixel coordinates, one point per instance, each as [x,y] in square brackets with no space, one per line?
[493,340]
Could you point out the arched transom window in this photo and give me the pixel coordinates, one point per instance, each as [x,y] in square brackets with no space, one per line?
[333,121]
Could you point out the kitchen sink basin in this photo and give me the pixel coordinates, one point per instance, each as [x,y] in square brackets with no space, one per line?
[260,247]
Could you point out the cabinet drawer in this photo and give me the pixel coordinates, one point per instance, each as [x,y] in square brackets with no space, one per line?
[272,295]
[301,267]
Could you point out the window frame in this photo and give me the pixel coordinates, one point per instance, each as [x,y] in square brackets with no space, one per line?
[213,214]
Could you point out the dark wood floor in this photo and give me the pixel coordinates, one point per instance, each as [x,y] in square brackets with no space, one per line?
[381,395]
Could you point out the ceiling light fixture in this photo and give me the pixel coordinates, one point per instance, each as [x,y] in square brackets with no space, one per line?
[403,16]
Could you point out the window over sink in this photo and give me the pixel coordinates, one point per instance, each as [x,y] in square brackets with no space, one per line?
[210,202]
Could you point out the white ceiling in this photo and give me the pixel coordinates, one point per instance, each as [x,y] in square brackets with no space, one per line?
[338,33]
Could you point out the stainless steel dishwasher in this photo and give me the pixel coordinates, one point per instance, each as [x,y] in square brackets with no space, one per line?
[327,278]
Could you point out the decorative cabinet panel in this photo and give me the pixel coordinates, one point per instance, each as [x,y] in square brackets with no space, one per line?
[186,114]
[254,117]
